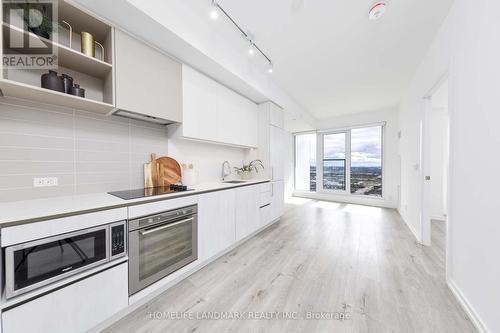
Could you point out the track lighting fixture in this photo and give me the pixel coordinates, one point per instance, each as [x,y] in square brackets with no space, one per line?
[214,14]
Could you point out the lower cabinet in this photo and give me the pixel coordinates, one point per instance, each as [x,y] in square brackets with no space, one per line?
[277,199]
[265,215]
[228,216]
[247,210]
[75,308]
[216,227]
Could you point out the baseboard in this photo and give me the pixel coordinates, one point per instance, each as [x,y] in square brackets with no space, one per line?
[469,310]
[346,198]
[438,218]
[413,231]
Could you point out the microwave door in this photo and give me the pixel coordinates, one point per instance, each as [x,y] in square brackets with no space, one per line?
[36,264]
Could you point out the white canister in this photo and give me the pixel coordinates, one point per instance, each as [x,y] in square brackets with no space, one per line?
[189,175]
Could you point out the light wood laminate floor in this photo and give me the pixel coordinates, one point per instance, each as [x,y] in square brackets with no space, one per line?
[322,257]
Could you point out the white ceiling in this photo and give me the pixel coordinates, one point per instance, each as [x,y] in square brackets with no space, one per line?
[331,58]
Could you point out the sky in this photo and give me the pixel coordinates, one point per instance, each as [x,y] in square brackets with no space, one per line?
[366,146]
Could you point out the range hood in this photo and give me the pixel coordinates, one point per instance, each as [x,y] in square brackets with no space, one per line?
[143,117]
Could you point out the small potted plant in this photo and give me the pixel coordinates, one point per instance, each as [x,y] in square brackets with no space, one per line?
[245,172]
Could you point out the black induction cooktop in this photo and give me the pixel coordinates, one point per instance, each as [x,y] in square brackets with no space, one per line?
[149,192]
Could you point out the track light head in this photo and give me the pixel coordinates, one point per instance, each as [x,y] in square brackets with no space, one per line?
[214,12]
[251,49]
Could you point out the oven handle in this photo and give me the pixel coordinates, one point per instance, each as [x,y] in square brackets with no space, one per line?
[165,226]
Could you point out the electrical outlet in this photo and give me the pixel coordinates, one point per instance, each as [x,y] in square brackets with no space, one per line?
[45,182]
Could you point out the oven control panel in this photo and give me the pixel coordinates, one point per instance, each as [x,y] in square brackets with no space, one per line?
[118,236]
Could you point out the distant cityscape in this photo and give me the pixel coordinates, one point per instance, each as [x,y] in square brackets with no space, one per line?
[364,180]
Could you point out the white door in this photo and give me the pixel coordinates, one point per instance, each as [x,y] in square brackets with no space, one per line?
[216,222]
[425,217]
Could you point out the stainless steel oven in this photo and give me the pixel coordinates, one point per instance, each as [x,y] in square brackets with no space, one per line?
[161,244]
[38,263]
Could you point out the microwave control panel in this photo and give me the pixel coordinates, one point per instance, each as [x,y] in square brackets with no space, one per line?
[118,240]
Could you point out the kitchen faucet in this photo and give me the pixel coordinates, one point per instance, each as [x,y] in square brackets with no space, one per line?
[226,170]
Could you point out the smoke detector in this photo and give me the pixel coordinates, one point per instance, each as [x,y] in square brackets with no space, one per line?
[377,10]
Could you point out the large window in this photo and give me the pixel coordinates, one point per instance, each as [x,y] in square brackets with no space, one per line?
[305,162]
[366,161]
[350,161]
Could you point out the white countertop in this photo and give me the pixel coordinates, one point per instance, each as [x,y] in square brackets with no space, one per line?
[19,212]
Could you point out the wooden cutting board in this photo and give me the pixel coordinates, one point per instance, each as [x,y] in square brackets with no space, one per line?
[169,171]
[161,171]
[148,172]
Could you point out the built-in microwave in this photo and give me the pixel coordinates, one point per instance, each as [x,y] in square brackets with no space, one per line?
[35,264]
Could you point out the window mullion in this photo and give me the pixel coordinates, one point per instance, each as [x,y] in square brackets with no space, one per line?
[348,161]
[319,161]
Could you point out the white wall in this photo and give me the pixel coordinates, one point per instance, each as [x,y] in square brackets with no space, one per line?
[87,152]
[467,47]
[390,156]
[207,158]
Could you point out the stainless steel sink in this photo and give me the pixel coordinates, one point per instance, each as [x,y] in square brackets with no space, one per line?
[234,181]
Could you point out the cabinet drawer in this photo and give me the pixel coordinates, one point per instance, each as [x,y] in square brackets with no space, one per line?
[265,215]
[265,198]
[74,308]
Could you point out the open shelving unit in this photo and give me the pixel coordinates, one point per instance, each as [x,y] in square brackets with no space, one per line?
[94,74]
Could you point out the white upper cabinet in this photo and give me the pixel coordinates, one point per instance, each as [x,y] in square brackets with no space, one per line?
[199,105]
[215,113]
[147,81]
[249,123]
[236,118]
[272,140]
[229,111]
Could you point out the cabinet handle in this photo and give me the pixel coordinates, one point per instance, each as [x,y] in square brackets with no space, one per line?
[272,173]
[272,189]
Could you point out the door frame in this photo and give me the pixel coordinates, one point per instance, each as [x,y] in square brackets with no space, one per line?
[425,152]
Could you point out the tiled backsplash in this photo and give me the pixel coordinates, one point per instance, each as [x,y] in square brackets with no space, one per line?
[87,152]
